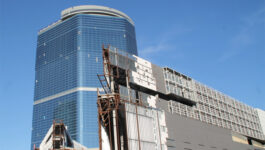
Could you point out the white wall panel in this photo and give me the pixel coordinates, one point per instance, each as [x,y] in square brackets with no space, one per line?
[150,129]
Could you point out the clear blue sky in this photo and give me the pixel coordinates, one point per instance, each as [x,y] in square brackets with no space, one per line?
[220,43]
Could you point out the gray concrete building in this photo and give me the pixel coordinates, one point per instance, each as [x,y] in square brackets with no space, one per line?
[174,110]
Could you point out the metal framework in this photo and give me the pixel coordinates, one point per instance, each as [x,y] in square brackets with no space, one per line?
[58,137]
[109,104]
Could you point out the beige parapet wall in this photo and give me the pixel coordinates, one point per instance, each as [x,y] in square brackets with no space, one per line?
[257,144]
[243,140]
[239,140]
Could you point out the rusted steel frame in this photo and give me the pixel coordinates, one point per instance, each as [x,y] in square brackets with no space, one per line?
[101,83]
[110,107]
[110,135]
[139,138]
[105,112]
[105,79]
[100,113]
[99,125]
[117,120]
[106,60]
[109,65]
[159,129]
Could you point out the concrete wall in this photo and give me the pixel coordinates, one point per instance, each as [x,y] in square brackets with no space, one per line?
[159,77]
[261,114]
[190,134]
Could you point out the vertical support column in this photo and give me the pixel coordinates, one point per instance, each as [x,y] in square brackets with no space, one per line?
[126,125]
[139,138]
[110,135]
[159,130]
[99,129]
[115,140]
[117,128]
[128,86]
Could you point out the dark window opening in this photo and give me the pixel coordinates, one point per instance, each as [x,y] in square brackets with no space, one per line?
[249,142]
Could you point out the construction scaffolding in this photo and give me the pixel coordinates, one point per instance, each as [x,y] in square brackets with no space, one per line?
[109,103]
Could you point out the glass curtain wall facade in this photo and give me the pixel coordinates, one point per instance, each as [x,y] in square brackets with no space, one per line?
[68,59]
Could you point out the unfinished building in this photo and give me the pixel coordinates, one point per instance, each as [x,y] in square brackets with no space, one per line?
[58,138]
[142,106]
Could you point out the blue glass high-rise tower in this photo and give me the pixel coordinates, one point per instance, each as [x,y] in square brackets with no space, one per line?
[68,59]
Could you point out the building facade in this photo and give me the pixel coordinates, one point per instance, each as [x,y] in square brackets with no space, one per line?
[160,108]
[212,106]
[68,59]
[261,115]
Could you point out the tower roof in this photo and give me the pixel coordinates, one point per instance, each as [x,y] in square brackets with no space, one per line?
[88,9]
[93,9]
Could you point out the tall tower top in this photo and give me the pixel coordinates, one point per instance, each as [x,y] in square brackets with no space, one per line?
[93,9]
